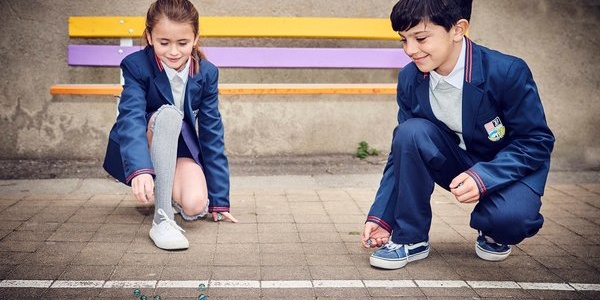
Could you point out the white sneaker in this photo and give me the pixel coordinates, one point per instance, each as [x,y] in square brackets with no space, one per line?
[168,235]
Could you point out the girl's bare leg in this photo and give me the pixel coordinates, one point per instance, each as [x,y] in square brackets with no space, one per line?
[189,188]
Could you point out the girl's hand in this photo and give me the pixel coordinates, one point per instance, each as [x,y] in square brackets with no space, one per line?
[226,215]
[375,234]
[143,188]
[464,188]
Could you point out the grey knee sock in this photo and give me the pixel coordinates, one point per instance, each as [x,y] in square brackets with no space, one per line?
[163,152]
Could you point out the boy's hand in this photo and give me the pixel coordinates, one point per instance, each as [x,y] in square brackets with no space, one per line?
[143,188]
[225,215]
[375,234]
[464,188]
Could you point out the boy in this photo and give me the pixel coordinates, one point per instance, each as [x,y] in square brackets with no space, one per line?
[470,119]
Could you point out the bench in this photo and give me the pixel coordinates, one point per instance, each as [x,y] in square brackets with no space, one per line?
[126,29]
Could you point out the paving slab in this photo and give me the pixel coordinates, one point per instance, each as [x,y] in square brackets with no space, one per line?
[298,239]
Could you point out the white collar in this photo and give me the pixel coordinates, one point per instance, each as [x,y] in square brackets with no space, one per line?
[456,77]
[183,74]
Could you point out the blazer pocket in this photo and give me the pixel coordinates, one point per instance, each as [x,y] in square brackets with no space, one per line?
[492,124]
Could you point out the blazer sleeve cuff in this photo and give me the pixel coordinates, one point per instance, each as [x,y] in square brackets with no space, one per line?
[218,209]
[138,172]
[383,224]
[478,181]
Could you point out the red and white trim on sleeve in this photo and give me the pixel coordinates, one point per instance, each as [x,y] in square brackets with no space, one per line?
[138,172]
[218,209]
[478,181]
[380,222]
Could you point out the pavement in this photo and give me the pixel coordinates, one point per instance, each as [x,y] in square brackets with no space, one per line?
[298,238]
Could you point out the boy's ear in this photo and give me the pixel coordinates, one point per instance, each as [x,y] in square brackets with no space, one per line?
[460,29]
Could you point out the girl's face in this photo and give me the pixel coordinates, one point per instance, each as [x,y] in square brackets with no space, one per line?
[173,42]
[431,47]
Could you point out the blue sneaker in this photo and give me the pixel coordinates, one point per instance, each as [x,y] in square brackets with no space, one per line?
[487,249]
[395,256]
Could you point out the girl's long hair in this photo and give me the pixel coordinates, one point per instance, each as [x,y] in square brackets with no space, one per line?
[182,11]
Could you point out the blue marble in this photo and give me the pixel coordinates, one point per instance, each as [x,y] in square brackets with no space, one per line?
[202,287]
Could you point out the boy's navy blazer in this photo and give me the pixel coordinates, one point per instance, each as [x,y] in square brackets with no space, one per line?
[146,89]
[495,85]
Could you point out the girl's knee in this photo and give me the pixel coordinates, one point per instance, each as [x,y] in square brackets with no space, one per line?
[195,205]
[168,110]
[167,117]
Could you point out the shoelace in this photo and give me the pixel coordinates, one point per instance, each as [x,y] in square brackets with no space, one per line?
[165,218]
[392,246]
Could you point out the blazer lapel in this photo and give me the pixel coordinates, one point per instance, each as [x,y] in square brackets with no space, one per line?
[193,89]
[161,81]
[422,93]
[164,87]
[472,94]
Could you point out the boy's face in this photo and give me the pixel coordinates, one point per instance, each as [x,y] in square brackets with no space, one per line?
[173,42]
[431,47]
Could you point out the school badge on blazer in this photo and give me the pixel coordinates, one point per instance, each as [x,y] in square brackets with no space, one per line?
[495,129]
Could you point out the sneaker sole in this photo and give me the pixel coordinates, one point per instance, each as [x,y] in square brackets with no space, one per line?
[170,245]
[491,256]
[391,264]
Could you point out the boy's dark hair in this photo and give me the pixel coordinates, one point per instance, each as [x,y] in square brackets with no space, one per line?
[407,14]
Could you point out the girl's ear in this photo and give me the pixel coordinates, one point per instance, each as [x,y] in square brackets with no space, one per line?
[461,29]
[148,37]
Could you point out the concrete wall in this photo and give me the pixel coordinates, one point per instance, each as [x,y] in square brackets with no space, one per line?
[558,38]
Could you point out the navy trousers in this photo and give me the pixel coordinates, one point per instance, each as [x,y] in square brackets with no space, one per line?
[423,155]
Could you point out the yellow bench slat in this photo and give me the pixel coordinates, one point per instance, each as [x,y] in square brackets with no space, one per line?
[293,27]
[243,89]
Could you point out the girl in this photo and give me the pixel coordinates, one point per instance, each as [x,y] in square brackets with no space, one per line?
[154,146]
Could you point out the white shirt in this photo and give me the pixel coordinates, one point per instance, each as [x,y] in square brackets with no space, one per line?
[445,96]
[178,81]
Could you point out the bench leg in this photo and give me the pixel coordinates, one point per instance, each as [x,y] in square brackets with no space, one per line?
[117,101]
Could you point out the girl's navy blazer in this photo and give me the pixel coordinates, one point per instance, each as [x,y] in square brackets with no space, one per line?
[146,89]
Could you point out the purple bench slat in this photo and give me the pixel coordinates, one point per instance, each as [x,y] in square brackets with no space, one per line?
[252,57]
